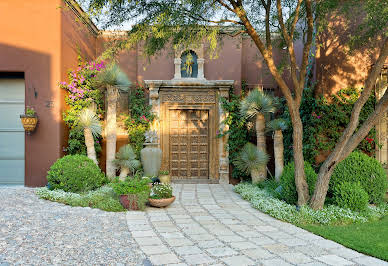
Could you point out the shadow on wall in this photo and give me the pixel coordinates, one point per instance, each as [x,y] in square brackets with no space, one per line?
[43,147]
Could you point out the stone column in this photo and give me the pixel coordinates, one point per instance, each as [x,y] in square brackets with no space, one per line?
[201,72]
[154,102]
[177,63]
[223,141]
[381,126]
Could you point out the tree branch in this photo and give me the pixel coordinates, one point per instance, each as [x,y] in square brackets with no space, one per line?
[225,5]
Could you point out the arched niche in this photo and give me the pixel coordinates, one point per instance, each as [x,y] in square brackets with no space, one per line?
[189,64]
[197,67]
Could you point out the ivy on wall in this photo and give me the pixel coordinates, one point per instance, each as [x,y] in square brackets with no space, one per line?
[324,120]
[139,119]
[81,94]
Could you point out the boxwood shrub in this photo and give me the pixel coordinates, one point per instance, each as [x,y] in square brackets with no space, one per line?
[351,196]
[287,181]
[75,173]
[359,167]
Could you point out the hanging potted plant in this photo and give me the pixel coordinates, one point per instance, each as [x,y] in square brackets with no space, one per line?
[133,193]
[29,120]
[161,195]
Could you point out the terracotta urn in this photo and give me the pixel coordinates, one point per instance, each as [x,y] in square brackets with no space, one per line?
[29,122]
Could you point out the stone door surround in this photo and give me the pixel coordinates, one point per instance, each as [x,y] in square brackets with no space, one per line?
[165,96]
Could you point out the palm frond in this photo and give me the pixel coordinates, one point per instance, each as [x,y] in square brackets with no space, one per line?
[89,119]
[257,102]
[277,124]
[126,157]
[112,75]
[250,158]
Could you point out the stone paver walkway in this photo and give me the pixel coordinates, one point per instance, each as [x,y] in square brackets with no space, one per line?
[210,224]
[207,224]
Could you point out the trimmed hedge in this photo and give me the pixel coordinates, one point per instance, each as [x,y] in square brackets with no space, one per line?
[75,173]
[360,168]
[287,181]
[351,196]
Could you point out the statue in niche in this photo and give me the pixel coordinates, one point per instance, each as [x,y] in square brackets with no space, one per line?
[189,65]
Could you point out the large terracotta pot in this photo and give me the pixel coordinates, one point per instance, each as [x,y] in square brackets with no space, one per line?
[161,202]
[151,159]
[129,202]
[29,122]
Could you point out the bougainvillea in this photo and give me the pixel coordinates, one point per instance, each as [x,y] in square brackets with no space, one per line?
[80,95]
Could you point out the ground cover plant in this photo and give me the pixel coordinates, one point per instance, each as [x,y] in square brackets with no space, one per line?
[102,198]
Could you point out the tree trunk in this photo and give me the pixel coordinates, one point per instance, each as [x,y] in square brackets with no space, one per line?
[300,180]
[89,141]
[257,175]
[261,145]
[278,152]
[124,171]
[111,130]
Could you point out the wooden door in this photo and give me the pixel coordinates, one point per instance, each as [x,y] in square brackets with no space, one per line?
[189,144]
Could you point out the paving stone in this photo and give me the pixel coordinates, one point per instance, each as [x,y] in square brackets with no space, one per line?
[263,240]
[277,248]
[221,251]
[292,242]
[311,250]
[143,233]
[147,241]
[249,233]
[277,262]
[266,228]
[328,244]
[276,234]
[202,237]
[231,238]
[187,250]
[334,260]
[167,229]
[172,235]
[368,261]
[258,253]
[346,253]
[242,245]
[238,261]
[177,242]
[164,259]
[152,250]
[200,258]
[296,257]
[210,244]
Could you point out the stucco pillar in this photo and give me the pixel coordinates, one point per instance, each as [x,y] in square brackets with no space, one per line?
[223,141]
[381,126]
[154,102]
[201,64]
[177,63]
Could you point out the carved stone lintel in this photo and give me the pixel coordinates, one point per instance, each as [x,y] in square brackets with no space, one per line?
[224,92]
[182,98]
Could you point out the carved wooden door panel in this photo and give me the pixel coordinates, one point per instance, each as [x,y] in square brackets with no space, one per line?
[189,144]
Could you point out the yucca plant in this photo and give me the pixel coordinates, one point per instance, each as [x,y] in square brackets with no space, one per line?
[126,160]
[89,122]
[110,79]
[252,161]
[277,126]
[255,106]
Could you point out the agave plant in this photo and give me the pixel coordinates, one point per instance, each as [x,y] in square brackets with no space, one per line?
[126,160]
[89,122]
[252,161]
[110,79]
[255,106]
[277,126]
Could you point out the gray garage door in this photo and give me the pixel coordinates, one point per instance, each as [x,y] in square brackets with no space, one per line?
[12,92]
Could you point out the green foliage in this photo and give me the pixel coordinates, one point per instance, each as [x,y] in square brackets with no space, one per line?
[277,124]
[358,167]
[137,190]
[250,158]
[111,75]
[81,95]
[89,119]
[351,196]
[75,173]
[102,198]
[257,102]
[329,215]
[324,120]
[272,187]
[139,119]
[163,172]
[287,181]
[161,191]
[76,143]
[237,132]
[30,111]
[127,158]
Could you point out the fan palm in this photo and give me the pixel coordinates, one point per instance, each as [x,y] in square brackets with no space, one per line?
[277,126]
[126,160]
[89,122]
[256,105]
[110,79]
[251,161]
